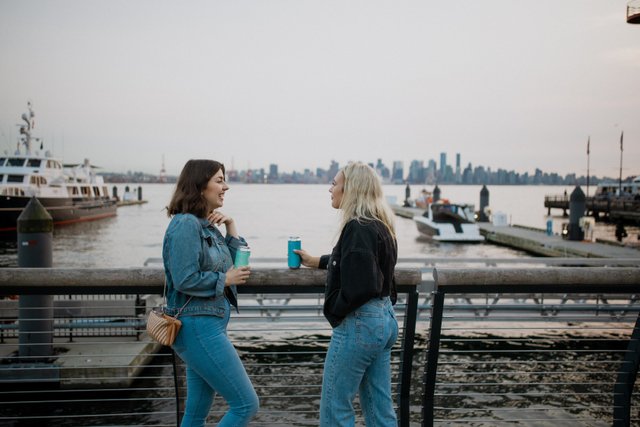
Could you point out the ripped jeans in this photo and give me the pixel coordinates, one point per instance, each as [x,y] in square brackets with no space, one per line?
[359,360]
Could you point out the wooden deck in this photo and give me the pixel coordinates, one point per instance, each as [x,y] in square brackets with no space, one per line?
[539,243]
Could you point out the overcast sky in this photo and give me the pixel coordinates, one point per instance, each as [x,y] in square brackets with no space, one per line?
[507,83]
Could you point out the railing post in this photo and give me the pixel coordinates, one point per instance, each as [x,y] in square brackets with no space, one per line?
[410,317]
[623,388]
[433,350]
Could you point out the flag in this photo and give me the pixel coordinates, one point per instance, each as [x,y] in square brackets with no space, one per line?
[621,135]
[588,143]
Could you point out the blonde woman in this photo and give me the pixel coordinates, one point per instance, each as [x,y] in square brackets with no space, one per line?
[359,296]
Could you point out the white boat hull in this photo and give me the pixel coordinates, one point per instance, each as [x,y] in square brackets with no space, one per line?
[445,232]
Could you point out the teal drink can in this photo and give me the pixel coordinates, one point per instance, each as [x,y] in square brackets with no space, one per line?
[293,259]
[242,256]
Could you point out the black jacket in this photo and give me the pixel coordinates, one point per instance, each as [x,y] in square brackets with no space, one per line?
[360,268]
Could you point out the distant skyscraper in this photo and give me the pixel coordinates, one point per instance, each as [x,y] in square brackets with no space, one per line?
[333,169]
[443,165]
[397,174]
[458,171]
[273,172]
[416,172]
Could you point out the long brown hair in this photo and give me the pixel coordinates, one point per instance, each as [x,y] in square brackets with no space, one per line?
[187,197]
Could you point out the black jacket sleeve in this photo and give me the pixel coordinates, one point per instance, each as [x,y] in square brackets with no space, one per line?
[360,276]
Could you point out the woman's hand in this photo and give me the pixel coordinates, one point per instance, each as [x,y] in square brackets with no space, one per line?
[218,218]
[237,276]
[306,259]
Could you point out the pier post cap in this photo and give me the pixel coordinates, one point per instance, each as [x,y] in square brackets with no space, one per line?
[484,189]
[34,218]
[577,195]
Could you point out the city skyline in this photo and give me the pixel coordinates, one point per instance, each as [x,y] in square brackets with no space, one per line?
[393,172]
[295,83]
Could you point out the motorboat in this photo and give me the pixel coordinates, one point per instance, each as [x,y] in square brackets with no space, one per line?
[70,193]
[449,222]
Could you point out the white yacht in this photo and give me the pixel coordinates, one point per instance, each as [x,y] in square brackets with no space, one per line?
[70,193]
[449,222]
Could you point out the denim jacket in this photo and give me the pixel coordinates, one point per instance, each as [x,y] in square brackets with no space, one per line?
[196,257]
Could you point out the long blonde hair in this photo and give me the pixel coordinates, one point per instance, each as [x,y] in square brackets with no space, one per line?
[362,197]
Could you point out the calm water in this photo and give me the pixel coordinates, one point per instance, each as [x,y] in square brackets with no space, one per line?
[267,214]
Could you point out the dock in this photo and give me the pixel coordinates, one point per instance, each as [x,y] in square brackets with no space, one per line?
[130,202]
[406,212]
[613,209]
[538,242]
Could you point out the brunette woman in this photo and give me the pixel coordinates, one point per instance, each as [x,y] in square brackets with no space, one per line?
[200,278]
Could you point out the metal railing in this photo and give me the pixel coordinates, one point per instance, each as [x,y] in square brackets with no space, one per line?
[573,370]
[125,381]
[557,345]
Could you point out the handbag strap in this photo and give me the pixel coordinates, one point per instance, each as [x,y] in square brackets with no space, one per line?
[164,297]
[182,308]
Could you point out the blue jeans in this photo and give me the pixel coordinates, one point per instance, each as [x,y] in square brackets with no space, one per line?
[359,359]
[213,366]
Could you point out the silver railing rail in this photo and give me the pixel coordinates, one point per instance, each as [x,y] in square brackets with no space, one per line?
[513,366]
[129,380]
[572,370]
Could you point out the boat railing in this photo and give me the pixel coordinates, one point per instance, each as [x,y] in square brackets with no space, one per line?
[448,367]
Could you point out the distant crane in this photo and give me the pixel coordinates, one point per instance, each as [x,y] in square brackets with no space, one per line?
[163,172]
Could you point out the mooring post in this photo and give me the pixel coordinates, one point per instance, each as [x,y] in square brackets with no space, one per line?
[577,207]
[484,202]
[436,194]
[35,312]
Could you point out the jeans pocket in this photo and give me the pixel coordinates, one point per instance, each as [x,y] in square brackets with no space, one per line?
[369,329]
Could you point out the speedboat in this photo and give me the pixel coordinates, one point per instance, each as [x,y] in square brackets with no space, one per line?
[70,193]
[449,222]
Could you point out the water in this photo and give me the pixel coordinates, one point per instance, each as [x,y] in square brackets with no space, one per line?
[266,215]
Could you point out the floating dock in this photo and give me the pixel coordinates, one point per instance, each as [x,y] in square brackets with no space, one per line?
[130,202]
[537,241]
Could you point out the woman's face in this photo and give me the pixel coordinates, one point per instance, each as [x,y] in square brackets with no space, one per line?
[337,190]
[214,191]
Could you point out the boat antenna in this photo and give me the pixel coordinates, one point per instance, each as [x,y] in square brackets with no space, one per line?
[25,129]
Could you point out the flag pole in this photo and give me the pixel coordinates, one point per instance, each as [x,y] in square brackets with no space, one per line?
[620,179]
[588,144]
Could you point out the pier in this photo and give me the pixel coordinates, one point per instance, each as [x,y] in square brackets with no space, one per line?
[558,346]
[613,209]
